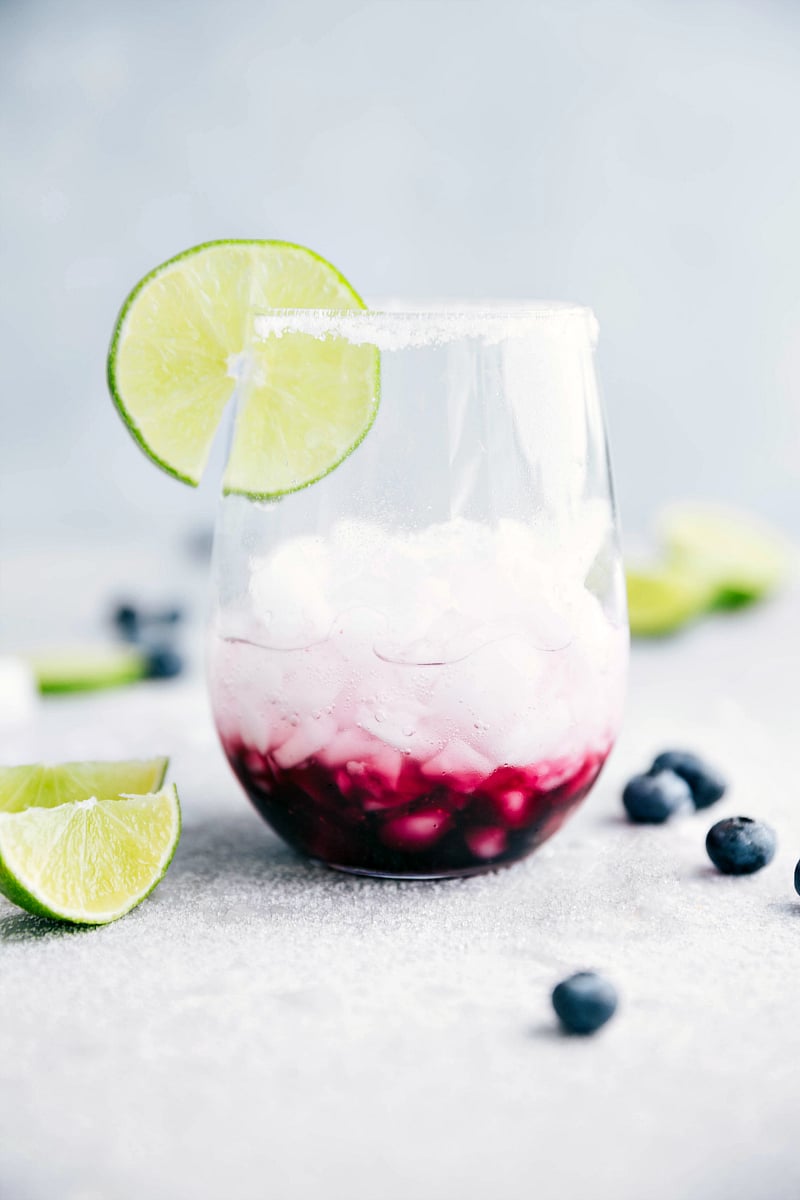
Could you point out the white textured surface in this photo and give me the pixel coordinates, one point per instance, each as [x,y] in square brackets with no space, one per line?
[261,1027]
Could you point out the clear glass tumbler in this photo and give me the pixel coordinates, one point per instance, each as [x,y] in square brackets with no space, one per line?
[417,663]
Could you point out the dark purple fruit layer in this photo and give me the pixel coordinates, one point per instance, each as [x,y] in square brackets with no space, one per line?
[355,818]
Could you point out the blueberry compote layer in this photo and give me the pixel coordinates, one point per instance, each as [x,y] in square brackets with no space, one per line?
[356,818]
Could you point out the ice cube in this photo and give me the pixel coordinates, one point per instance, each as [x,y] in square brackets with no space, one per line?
[348,745]
[459,760]
[308,739]
[311,682]
[289,594]
[490,693]
[486,841]
[388,763]
[254,726]
[416,831]
[514,807]
[400,725]
[530,655]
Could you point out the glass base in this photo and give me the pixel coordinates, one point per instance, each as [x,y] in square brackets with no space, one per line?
[431,877]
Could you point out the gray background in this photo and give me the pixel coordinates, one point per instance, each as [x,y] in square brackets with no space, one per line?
[641,157]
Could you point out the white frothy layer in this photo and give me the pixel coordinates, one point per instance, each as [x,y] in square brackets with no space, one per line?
[481,644]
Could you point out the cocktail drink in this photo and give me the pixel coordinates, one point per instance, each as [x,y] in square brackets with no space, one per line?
[417,663]
[419,640]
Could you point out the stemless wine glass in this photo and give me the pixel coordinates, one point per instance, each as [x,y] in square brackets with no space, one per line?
[417,663]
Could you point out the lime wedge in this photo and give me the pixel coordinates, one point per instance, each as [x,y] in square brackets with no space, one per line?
[91,861]
[184,343]
[87,668]
[39,786]
[662,600]
[739,557]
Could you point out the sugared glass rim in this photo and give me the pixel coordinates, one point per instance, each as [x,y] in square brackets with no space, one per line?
[400,325]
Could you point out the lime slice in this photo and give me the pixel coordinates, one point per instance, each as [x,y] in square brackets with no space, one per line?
[739,557]
[87,668]
[91,861]
[184,343]
[39,786]
[662,600]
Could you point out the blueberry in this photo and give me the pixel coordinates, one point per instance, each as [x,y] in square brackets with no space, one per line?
[740,845]
[168,616]
[584,1002]
[163,663]
[797,878]
[707,785]
[653,799]
[127,619]
[134,623]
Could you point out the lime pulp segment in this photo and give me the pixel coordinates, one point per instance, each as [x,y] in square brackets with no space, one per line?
[40,786]
[184,344]
[91,861]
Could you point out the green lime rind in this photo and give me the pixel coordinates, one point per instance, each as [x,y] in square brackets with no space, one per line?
[741,558]
[183,345]
[87,669]
[664,600]
[68,863]
[37,785]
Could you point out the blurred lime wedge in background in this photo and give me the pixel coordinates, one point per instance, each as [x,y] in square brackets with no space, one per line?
[90,861]
[40,786]
[740,558]
[87,668]
[184,342]
[714,557]
[661,600]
